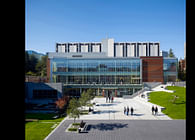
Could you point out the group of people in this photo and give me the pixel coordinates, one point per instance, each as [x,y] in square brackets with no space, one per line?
[126,110]
[109,98]
[154,110]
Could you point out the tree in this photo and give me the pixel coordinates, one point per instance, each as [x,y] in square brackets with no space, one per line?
[83,99]
[26,62]
[86,97]
[73,110]
[61,103]
[31,62]
[171,54]
[41,66]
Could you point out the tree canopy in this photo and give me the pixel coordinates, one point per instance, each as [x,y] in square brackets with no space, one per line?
[35,67]
[171,54]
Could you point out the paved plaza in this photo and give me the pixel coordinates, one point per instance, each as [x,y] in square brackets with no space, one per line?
[110,123]
[124,130]
[115,110]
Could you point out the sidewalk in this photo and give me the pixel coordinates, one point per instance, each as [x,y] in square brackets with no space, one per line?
[114,111]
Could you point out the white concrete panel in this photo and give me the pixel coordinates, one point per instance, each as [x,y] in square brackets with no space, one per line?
[72,48]
[63,48]
[59,48]
[84,48]
[154,50]
[110,47]
[96,48]
[130,51]
[119,50]
[142,50]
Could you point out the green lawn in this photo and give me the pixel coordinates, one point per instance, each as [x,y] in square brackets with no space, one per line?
[39,130]
[176,110]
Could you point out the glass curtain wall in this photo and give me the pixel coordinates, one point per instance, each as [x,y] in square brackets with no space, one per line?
[93,71]
[170,69]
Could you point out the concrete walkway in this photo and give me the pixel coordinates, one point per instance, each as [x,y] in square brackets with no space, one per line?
[115,110]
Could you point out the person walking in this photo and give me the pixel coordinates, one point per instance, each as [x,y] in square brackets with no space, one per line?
[156,110]
[131,111]
[127,110]
[124,110]
[152,110]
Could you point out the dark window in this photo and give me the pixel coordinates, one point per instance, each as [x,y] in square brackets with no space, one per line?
[44,94]
[135,50]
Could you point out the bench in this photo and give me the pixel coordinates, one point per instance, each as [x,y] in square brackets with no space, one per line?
[82,127]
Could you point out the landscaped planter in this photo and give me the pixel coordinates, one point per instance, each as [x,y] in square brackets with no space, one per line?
[73,127]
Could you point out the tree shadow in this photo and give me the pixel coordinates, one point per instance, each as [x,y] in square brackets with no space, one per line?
[105,111]
[182,102]
[106,126]
[160,115]
[109,104]
[137,114]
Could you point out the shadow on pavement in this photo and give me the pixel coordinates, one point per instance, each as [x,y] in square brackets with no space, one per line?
[105,111]
[109,104]
[106,126]
[138,114]
[160,115]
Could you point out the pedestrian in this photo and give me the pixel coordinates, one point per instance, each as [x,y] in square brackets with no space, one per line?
[152,110]
[112,99]
[127,110]
[124,110]
[131,110]
[156,110]
[109,96]
[106,99]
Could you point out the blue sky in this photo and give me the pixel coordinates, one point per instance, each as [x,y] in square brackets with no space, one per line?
[51,21]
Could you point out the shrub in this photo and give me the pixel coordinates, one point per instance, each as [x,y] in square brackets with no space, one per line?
[76,124]
[72,129]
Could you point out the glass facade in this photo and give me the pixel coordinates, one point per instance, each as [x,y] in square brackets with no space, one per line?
[96,71]
[170,69]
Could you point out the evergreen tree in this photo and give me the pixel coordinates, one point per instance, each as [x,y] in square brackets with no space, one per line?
[171,54]
[26,62]
[41,66]
[73,110]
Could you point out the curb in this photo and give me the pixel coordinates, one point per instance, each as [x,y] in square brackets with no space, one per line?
[56,128]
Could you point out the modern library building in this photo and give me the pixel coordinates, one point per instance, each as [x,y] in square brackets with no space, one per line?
[120,68]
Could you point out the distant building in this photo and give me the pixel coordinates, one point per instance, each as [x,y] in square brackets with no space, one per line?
[184,50]
[164,53]
[35,79]
[36,54]
[182,65]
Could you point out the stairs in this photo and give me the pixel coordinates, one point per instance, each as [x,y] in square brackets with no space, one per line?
[147,86]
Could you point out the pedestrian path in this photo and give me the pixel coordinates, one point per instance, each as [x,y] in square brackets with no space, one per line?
[115,110]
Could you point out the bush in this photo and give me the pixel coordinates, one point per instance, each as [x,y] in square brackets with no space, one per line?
[76,124]
[72,129]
